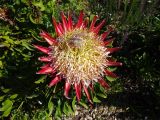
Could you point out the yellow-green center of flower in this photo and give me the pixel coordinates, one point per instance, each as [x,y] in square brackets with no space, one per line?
[80,56]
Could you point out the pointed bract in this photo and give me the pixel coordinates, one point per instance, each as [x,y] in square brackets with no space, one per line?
[104,35]
[42,49]
[103,83]
[109,63]
[64,21]
[80,20]
[66,89]
[91,87]
[85,23]
[87,93]
[111,50]
[70,24]
[45,70]
[77,87]
[45,66]
[60,27]
[107,42]
[57,29]
[54,81]
[48,38]
[111,74]
[45,59]
[97,29]
[93,23]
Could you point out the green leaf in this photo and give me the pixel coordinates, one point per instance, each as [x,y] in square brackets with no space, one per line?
[8,39]
[7,112]
[6,107]
[6,104]
[27,45]
[92,16]
[101,95]
[74,103]
[50,106]
[95,99]
[1,98]
[5,90]
[58,113]
[112,69]
[5,44]
[83,104]
[40,115]
[13,96]
[67,109]
[111,79]
[31,19]
[39,4]
[32,96]
[1,65]
[41,80]
[24,1]
[25,117]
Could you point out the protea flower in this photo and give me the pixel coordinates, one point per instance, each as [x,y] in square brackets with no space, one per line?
[79,56]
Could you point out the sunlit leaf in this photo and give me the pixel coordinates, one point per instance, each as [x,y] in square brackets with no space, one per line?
[7,111]
[27,45]
[6,107]
[50,106]
[112,69]
[111,79]
[39,5]
[103,95]
[58,113]
[95,99]
[67,109]
[32,96]
[5,90]
[1,98]
[83,104]
[13,96]
[41,80]
[1,65]
[74,103]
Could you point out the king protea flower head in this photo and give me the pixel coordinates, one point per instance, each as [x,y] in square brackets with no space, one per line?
[79,56]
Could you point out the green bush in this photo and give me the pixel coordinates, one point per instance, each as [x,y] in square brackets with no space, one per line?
[25,95]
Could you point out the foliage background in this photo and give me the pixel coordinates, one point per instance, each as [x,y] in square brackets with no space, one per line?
[25,95]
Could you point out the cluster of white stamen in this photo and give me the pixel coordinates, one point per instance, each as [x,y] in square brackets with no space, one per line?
[80,57]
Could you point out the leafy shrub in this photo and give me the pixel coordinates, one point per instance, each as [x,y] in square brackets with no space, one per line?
[25,95]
